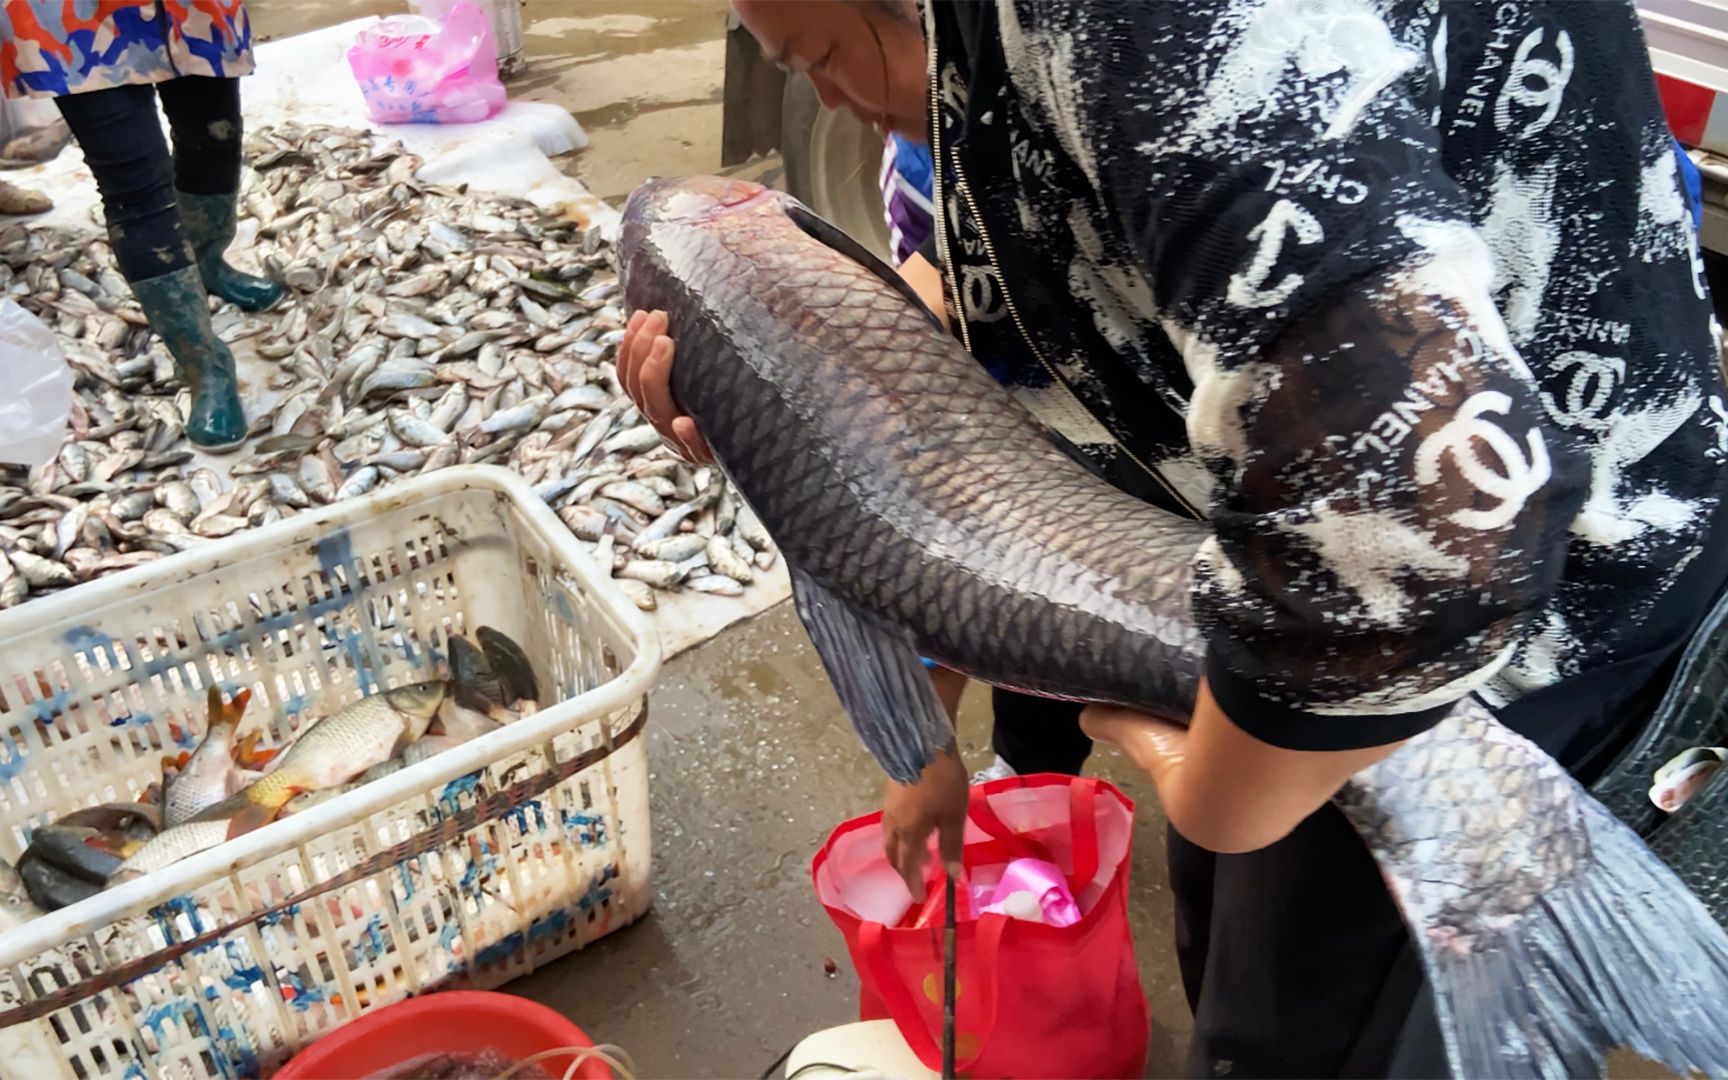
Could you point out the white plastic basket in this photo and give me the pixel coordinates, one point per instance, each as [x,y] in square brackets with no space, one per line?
[468,869]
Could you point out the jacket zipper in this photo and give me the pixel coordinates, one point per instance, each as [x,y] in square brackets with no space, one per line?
[958,306]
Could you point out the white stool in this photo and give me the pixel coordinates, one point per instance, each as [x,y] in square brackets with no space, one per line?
[869,1050]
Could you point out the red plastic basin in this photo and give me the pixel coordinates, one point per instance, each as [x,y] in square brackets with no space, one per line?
[457,1021]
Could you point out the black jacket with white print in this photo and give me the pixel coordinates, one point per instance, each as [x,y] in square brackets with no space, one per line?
[1405,297]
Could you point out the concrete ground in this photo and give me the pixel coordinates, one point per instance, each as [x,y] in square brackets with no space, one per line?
[753,764]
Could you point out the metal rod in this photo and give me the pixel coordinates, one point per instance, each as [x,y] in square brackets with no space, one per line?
[948,969]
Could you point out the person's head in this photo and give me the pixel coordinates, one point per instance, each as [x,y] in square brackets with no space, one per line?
[865,56]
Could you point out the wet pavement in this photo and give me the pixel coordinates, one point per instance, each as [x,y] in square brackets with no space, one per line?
[753,764]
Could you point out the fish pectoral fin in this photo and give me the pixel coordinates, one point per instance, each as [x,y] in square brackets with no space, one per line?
[883,686]
[831,235]
[251,816]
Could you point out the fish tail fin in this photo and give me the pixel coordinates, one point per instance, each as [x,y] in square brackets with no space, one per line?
[1550,933]
[227,713]
[247,753]
[514,670]
[476,684]
[1620,954]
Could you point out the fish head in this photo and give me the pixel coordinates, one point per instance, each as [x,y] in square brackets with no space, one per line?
[693,199]
[419,700]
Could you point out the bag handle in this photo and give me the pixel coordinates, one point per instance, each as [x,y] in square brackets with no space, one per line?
[1082,821]
[893,992]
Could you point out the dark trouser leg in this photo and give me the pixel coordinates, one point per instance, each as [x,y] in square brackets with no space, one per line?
[1035,734]
[122,142]
[204,114]
[1288,954]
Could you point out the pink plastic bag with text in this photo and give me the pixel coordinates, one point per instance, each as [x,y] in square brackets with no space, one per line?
[414,70]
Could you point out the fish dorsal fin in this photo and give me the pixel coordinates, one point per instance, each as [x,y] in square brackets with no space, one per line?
[832,236]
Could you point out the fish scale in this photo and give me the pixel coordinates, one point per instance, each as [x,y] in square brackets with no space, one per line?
[921,510]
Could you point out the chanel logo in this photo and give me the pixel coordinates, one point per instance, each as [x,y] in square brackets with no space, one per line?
[1248,286]
[1594,378]
[1505,475]
[1535,83]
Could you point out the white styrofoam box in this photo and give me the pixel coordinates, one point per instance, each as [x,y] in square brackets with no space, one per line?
[467,869]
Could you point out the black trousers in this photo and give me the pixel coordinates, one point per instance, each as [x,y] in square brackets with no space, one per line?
[123,144]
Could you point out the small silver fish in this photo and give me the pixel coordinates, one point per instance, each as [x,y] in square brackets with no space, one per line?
[360,482]
[723,560]
[672,548]
[632,440]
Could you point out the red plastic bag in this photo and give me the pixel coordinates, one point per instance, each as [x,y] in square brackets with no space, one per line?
[1032,1000]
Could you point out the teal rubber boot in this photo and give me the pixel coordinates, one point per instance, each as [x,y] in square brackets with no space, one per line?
[179,310]
[209,223]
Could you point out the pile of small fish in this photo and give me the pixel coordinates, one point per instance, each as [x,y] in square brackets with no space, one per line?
[227,786]
[425,326]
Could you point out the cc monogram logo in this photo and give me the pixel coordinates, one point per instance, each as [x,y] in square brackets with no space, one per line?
[1508,477]
[1535,83]
[1248,286]
[1594,378]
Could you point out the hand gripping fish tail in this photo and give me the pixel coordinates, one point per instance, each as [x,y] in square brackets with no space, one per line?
[922,511]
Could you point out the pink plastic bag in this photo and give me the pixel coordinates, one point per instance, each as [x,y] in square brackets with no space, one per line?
[413,70]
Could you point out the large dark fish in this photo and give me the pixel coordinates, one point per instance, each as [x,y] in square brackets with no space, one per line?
[921,510]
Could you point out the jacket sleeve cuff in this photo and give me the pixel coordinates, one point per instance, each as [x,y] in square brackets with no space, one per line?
[1293,729]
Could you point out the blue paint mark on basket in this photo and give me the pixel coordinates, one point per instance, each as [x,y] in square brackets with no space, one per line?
[87,639]
[408,889]
[295,705]
[373,947]
[134,1071]
[276,918]
[178,905]
[447,936]
[142,719]
[53,705]
[500,950]
[561,605]
[157,1015]
[551,926]
[598,893]
[480,871]
[15,760]
[241,975]
[300,996]
[241,1055]
[589,829]
[351,644]
[455,789]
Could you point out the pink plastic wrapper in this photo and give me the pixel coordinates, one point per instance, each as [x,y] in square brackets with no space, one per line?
[1030,889]
[413,70]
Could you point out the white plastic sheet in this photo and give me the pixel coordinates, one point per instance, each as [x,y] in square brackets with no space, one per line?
[33,413]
